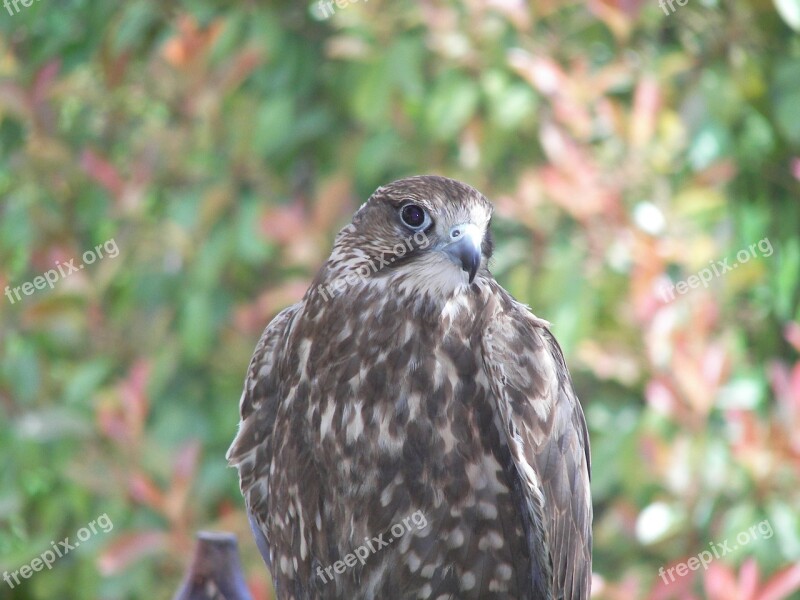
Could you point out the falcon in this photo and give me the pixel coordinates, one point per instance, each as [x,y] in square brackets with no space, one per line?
[408,429]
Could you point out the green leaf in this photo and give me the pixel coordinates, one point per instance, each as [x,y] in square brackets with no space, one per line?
[786,98]
[274,125]
[373,94]
[196,327]
[453,102]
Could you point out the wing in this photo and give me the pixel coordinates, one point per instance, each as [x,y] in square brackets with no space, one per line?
[251,450]
[549,443]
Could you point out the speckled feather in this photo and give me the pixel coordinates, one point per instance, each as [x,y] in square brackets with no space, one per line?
[410,389]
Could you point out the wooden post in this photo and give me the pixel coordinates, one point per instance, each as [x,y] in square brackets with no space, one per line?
[215,572]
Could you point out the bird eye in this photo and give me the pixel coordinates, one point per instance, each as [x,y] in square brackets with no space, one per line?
[414,216]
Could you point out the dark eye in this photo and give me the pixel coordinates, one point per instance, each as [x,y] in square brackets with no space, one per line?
[414,216]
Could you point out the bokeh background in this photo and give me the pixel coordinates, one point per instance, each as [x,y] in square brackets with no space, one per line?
[626,146]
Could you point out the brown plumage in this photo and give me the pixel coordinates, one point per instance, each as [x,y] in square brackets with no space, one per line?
[408,397]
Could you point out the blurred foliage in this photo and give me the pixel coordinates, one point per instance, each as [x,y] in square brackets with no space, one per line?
[627,147]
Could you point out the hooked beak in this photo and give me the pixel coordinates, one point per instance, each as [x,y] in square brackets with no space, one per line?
[464,247]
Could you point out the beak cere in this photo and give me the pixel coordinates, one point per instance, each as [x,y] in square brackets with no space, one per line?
[465,247]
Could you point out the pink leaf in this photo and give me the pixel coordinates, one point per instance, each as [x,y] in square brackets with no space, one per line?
[782,584]
[720,583]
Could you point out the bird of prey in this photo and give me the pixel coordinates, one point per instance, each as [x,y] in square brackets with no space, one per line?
[408,429]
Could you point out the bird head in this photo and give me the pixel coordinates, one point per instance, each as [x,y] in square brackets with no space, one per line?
[424,233]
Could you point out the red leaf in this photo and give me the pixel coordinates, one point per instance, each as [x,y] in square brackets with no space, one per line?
[44,80]
[102,172]
[792,330]
[186,463]
[795,168]
[646,105]
[145,492]
[129,548]
[134,393]
[182,476]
